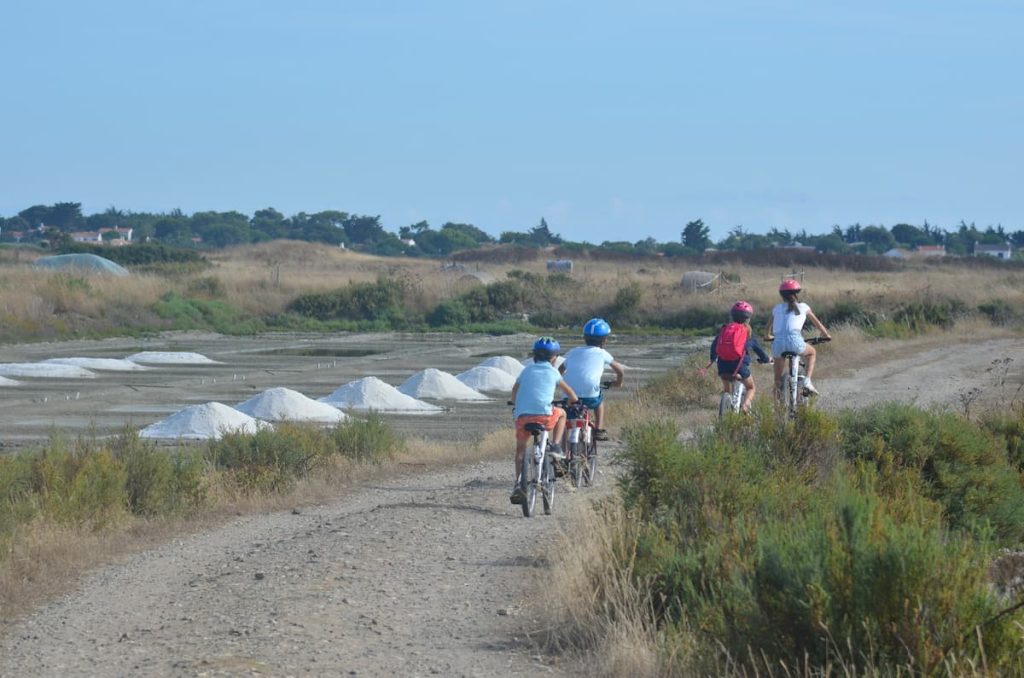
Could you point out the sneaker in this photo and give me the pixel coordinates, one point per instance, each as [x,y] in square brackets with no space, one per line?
[556,452]
[600,434]
[517,495]
[809,387]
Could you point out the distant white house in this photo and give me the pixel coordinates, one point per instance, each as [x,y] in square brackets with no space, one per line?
[1000,251]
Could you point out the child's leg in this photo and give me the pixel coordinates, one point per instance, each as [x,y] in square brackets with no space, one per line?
[749,395]
[811,355]
[559,429]
[599,416]
[726,385]
[520,452]
[779,367]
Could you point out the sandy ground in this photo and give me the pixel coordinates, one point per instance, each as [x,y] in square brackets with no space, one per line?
[427,574]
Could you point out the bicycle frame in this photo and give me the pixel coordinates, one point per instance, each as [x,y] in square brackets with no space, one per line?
[792,386]
[537,471]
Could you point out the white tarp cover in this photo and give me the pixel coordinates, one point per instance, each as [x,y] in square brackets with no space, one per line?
[87,263]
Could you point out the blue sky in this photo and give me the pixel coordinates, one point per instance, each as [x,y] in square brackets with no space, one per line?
[614,121]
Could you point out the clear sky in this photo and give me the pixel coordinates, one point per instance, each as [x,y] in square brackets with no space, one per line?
[613,120]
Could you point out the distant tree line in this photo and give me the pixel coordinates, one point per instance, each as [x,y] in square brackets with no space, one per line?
[54,224]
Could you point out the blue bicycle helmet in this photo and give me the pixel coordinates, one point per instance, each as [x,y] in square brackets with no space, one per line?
[549,344]
[597,327]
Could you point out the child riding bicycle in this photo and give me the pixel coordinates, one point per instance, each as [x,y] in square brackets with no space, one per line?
[532,395]
[584,366]
[731,349]
[784,331]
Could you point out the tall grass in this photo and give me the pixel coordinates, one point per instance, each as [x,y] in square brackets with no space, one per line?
[853,544]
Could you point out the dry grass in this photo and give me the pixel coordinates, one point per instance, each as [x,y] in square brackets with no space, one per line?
[46,557]
[599,616]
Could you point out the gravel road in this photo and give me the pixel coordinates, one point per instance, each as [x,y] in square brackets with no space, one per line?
[421,575]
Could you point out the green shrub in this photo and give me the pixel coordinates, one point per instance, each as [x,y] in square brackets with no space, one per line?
[368,440]
[450,313]
[960,464]
[159,482]
[382,300]
[762,539]
[190,313]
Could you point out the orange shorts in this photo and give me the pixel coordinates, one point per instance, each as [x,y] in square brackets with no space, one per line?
[548,420]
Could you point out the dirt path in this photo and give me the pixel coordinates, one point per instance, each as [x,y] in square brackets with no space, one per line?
[419,576]
[423,575]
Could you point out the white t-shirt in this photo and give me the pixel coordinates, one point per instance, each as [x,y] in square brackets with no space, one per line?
[785,322]
[584,366]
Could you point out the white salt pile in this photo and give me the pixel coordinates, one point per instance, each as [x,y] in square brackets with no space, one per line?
[490,379]
[504,362]
[171,358]
[437,385]
[45,370]
[370,393]
[108,364]
[529,361]
[4,381]
[284,404]
[208,421]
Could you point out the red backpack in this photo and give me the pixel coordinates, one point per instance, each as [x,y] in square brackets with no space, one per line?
[732,341]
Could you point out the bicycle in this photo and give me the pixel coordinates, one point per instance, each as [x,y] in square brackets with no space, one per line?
[537,470]
[580,442]
[791,390]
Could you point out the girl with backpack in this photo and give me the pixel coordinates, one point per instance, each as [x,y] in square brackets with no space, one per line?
[731,349]
[785,327]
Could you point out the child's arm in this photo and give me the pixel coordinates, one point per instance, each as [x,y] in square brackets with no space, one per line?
[620,374]
[762,357]
[817,324]
[768,335]
[569,393]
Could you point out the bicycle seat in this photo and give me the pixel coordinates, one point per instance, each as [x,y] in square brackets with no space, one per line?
[534,427]
[789,354]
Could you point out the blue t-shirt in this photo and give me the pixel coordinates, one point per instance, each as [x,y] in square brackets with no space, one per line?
[584,366]
[537,384]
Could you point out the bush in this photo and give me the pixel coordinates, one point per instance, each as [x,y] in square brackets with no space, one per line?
[450,313]
[381,300]
[760,538]
[368,440]
[158,482]
[188,313]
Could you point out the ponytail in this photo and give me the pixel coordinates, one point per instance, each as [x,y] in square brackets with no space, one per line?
[791,301]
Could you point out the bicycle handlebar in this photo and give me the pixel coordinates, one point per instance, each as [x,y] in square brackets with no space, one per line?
[814,341]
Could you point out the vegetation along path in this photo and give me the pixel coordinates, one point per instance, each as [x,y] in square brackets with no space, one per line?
[422,574]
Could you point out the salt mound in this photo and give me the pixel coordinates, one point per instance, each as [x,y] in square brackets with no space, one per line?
[208,421]
[281,404]
[4,381]
[109,364]
[487,379]
[529,361]
[506,363]
[370,393]
[433,383]
[171,358]
[45,370]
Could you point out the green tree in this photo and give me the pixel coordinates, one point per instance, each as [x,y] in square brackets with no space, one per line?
[469,231]
[696,235]
[877,239]
[542,236]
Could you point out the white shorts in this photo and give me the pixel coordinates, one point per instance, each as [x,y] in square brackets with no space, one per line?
[788,343]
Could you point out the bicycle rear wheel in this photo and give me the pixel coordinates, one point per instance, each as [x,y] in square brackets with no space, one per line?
[590,472]
[547,485]
[724,404]
[577,463]
[528,483]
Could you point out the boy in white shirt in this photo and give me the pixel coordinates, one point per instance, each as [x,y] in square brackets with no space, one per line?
[585,365]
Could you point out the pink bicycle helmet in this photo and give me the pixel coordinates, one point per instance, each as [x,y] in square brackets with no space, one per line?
[741,311]
[789,285]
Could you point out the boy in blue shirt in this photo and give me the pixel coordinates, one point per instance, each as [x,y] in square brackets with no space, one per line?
[532,394]
[585,365]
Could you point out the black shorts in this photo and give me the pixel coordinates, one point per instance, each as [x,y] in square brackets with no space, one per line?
[726,368]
